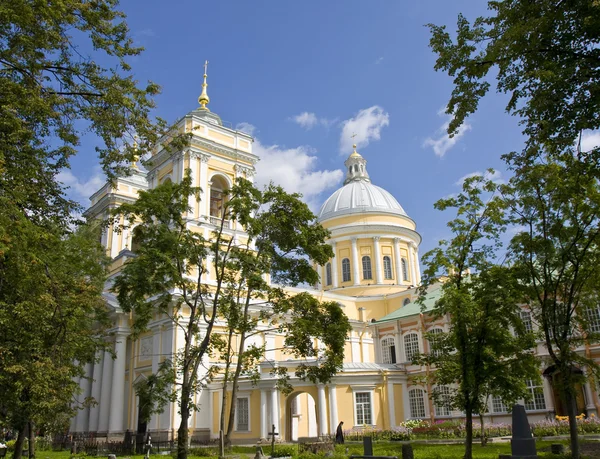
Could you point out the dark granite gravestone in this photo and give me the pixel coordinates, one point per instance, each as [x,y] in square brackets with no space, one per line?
[367,446]
[522,444]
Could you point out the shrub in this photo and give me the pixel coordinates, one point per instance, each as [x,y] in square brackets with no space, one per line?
[285,450]
[203,452]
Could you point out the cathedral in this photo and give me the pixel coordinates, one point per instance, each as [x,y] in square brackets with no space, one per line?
[373,275]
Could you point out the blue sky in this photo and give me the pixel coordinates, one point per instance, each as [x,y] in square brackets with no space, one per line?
[304,75]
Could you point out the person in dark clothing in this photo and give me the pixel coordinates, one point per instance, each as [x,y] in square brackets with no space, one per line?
[339,434]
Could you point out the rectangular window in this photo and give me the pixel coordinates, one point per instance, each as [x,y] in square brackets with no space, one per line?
[593,320]
[363,408]
[498,405]
[526,318]
[537,401]
[242,414]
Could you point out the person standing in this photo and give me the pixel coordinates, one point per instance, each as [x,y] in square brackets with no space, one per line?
[339,434]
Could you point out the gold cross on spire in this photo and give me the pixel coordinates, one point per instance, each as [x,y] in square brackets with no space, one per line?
[203,100]
[354,143]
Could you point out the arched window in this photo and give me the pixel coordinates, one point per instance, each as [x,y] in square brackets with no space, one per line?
[135,241]
[366,262]
[388,350]
[404,269]
[433,337]
[166,180]
[387,267]
[217,196]
[416,398]
[411,346]
[328,274]
[356,168]
[345,270]
[406,301]
[441,401]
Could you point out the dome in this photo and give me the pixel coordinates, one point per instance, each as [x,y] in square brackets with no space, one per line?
[357,197]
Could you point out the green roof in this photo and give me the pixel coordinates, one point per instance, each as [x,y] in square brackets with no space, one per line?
[413,309]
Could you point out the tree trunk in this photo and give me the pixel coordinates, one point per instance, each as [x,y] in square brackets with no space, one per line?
[19,443]
[182,433]
[31,426]
[482,422]
[469,432]
[571,403]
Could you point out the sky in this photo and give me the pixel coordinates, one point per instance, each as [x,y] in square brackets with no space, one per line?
[302,77]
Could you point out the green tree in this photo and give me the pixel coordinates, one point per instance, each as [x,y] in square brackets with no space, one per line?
[168,276]
[545,55]
[479,355]
[555,202]
[52,317]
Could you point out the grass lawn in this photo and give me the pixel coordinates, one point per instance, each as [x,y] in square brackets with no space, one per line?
[421,451]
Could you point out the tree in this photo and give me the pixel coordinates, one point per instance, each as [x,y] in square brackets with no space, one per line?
[168,276]
[547,58]
[52,317]
[479,355]
[555,202]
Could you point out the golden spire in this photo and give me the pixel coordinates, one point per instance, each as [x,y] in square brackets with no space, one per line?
[354,152]
[203,100]
[136,157]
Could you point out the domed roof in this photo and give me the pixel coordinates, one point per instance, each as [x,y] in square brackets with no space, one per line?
[359,195]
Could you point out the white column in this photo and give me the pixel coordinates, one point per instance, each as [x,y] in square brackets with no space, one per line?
[115,246]
[322,410]
[548,393]
[203,183]
[275,409]
[411,262]
[117,396]
[391,404]
[399,345]
[355,262]
[417,266]
[333,408]
[397,260]
[177,174]
[378,261]
[264,429]
[269,346]
[105,392]
[86,390]
[154,421]
[193,175]
[96,392]
[334,266]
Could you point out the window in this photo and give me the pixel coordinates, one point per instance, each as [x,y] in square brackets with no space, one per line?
[387,267]
[498,405]
[526,318]
[388,350]
[442,401]
[294,407]
[345,270]
[593,315]
[406,301]
[433,341]
[411,346]
[217,196]
[363,408]
[366,262]
[404,269]
[416,397]
[242,414]
[537,401]
[328,274]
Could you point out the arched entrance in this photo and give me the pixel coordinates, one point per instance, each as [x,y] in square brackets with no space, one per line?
[560,407]
[301,416]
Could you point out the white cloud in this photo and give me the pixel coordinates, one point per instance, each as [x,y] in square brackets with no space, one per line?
[80,188]
[495,176]
[443,142]
[309,120]
[295,170]
[379,60]
[367,125]
[245,127]
[590,140]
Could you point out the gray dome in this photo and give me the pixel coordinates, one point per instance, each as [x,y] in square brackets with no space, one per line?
[357,197]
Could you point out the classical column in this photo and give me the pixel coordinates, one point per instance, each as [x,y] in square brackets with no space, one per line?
[399,345]
[115,247]
[333,408]
[156,344]
[177,173]
[275,409]
[205,194]
[96,393]
[355,266]
[86,389]
[322,410]
[548,393]
[334,266]
[117,396]
[105,392]
[264,429]
[411,263]
[397,260]
[391,404]
[193,176]
[416,266]
[378,261]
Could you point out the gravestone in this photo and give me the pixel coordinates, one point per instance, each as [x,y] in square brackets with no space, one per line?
[367,446]
[407,451]
[522,445]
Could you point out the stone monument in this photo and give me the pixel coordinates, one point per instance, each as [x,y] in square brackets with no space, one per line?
[522,444]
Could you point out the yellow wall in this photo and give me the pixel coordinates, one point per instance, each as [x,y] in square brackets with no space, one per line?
[398,403]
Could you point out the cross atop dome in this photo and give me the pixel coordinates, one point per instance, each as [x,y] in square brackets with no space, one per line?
[356,167]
